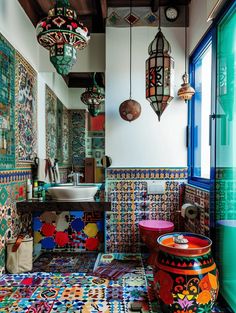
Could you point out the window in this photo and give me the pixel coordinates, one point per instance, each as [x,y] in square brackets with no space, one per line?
[200,114]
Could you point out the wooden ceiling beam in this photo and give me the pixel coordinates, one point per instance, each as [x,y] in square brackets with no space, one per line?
[33,10]
[84,79]
[103,4]
[98,19]
[155,5]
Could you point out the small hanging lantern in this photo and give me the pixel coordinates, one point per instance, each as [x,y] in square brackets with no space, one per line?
[62,34]
[130,109]
[159,72]
[93,97]
[186,91]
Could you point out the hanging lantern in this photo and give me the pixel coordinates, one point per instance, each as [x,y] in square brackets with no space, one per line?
[93,97]
[186,91]
[159,72]
[62,34]
[130,110]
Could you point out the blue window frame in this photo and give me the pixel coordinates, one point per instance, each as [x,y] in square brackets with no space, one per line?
[200,109]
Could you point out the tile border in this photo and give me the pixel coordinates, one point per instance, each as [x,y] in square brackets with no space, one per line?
[146,173]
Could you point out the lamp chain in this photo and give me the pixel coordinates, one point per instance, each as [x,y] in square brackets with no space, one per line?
[185,41]
[130,53]
[159,13]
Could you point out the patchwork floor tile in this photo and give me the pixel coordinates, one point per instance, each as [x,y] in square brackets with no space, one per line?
[45,292]
[66,262]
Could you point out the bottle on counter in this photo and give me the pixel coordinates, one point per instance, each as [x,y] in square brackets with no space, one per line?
[41,191]
[35,189]
[29,190]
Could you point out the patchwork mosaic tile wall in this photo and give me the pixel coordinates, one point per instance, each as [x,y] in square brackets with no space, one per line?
[12,189]
[57,130]
[201,224]
[78,126]
[130,203]
[18,139]
[71,231]
[26,112]
[95,143]
[7,104]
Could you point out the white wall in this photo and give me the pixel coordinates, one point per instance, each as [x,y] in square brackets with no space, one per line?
[144,142]
[18,30]
[74,99]
[198,25]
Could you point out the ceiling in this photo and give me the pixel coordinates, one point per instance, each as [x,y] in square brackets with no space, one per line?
[93,14]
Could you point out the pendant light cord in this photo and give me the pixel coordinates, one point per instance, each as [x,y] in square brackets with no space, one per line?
[130,53]
[159,13]
[185,43]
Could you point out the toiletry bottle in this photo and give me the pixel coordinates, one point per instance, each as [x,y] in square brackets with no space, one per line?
[35,189]
[29,189]
[41,191]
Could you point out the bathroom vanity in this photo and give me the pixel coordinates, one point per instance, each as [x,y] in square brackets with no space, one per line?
[66,226]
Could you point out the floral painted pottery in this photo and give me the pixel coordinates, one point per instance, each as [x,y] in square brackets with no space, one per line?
[150,230]
[186,277]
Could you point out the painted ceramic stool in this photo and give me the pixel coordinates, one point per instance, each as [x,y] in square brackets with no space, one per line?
[186,278]
[150,230]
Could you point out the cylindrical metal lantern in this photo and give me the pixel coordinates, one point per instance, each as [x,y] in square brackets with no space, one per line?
[159,74]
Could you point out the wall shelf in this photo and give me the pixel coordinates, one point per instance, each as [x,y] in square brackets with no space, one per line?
[51,205]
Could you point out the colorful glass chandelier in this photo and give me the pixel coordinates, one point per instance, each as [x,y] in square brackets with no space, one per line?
[93,97]
[62,34]
[159,73]
[186,91]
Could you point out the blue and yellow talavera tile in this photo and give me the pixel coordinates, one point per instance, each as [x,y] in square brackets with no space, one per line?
[146,173]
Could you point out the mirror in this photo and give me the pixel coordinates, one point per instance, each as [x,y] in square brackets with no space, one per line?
[72,134]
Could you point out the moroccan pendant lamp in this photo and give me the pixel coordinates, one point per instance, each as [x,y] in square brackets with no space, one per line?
[130,109]
[93,97]
[62,34]
[159,72]
[186,91]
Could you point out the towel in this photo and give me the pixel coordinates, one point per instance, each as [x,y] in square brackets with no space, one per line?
[56,173]
[42,170]
[50,165]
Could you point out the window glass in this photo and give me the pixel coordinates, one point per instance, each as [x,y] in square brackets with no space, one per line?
[201,105]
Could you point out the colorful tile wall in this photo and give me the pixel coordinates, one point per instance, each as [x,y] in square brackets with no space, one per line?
[12,189]
[68,231]
[130,203]
[78,127]
[51,123]
[201,224]
[7,104]
[26,112]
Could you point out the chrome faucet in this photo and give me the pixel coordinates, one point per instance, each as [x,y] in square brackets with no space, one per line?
[76,178]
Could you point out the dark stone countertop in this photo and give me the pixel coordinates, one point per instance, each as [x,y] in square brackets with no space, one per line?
[52,205]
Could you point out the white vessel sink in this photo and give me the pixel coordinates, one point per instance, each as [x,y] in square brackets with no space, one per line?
[68,192]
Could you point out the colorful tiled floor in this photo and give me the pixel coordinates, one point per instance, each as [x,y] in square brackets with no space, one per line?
[66,263]
[52,292]
[43,292]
